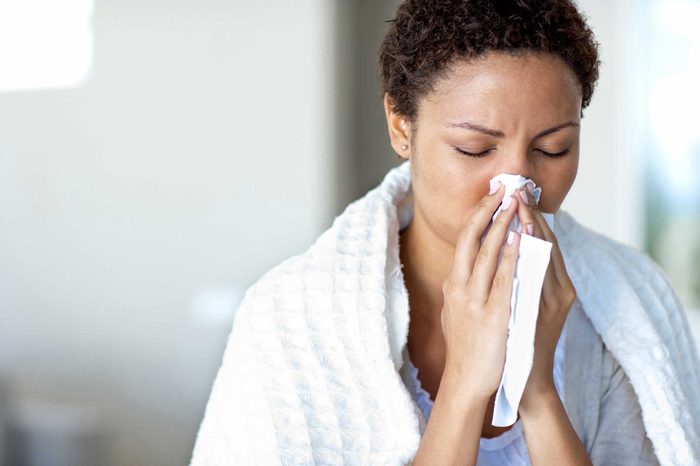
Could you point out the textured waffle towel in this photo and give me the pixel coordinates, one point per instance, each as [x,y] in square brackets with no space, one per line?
[310,373]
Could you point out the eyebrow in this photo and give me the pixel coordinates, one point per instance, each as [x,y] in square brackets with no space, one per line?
[500,134]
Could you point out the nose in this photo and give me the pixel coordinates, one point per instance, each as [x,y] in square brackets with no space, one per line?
[517,162]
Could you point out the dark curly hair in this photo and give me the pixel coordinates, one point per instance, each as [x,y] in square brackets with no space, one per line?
[427,36]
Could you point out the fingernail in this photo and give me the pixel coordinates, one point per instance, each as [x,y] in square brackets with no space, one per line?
[523,196]
[511,237]
[530,189]
[506,202]
[494,187]
[529,229]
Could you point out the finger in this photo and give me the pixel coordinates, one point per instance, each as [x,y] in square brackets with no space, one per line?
[551,283]
[469,237]
[556,268]
[525,214]
[543,226]
[557,257]
[502,288]
[486,261]
[536,227]
[534,205]
[550,278]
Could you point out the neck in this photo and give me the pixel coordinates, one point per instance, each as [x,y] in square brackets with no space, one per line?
[426,260]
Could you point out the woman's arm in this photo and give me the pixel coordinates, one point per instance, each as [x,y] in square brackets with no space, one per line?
[454,427]
[550,437]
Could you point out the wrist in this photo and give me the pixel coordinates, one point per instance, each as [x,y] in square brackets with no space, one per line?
[538,397]
[462,396]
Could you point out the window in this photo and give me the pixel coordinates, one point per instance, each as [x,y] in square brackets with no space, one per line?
[672,148]
[44,43]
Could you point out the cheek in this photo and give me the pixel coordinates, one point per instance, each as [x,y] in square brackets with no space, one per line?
[557,185]
[451,185]
[448,192]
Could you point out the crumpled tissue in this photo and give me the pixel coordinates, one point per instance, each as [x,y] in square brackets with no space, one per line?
[533,259]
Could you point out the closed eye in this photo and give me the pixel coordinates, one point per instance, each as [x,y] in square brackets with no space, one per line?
[554,154]
[487,151]
[473,154]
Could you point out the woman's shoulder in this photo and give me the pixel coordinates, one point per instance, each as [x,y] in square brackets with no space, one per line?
[637,265]
[619,284]
[292,273]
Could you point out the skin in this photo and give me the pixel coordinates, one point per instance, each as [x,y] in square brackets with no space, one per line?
[521,97]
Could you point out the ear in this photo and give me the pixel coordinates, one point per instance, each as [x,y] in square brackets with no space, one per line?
[399,130]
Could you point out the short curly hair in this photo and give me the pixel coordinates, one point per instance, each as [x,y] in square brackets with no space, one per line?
[427,36]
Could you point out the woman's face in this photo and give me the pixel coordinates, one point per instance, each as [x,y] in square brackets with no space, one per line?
[510,110]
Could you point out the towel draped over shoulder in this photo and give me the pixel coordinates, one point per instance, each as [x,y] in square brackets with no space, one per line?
[310,372]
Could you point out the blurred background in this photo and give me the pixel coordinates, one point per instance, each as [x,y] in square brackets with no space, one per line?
[157,157]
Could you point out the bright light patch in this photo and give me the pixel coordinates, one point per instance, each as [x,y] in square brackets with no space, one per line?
[674,95]
[677,16]
[44,43]
[673,113]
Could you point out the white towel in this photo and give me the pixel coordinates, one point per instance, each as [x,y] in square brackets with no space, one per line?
[310,370]
[533,259]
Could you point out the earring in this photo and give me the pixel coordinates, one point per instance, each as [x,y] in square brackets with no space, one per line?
[404,147]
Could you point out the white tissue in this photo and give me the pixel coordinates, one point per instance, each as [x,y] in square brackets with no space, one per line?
[533,259]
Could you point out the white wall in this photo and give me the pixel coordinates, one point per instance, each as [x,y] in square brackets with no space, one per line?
[608,192]
[197,155]
[201,152]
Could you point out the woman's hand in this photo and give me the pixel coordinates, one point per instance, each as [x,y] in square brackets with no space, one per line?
[558,295]
[551,439]
[477,296]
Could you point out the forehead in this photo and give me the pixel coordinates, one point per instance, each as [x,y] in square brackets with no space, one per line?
[500,85]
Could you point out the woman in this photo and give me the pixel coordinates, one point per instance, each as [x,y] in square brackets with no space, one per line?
[384,343]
